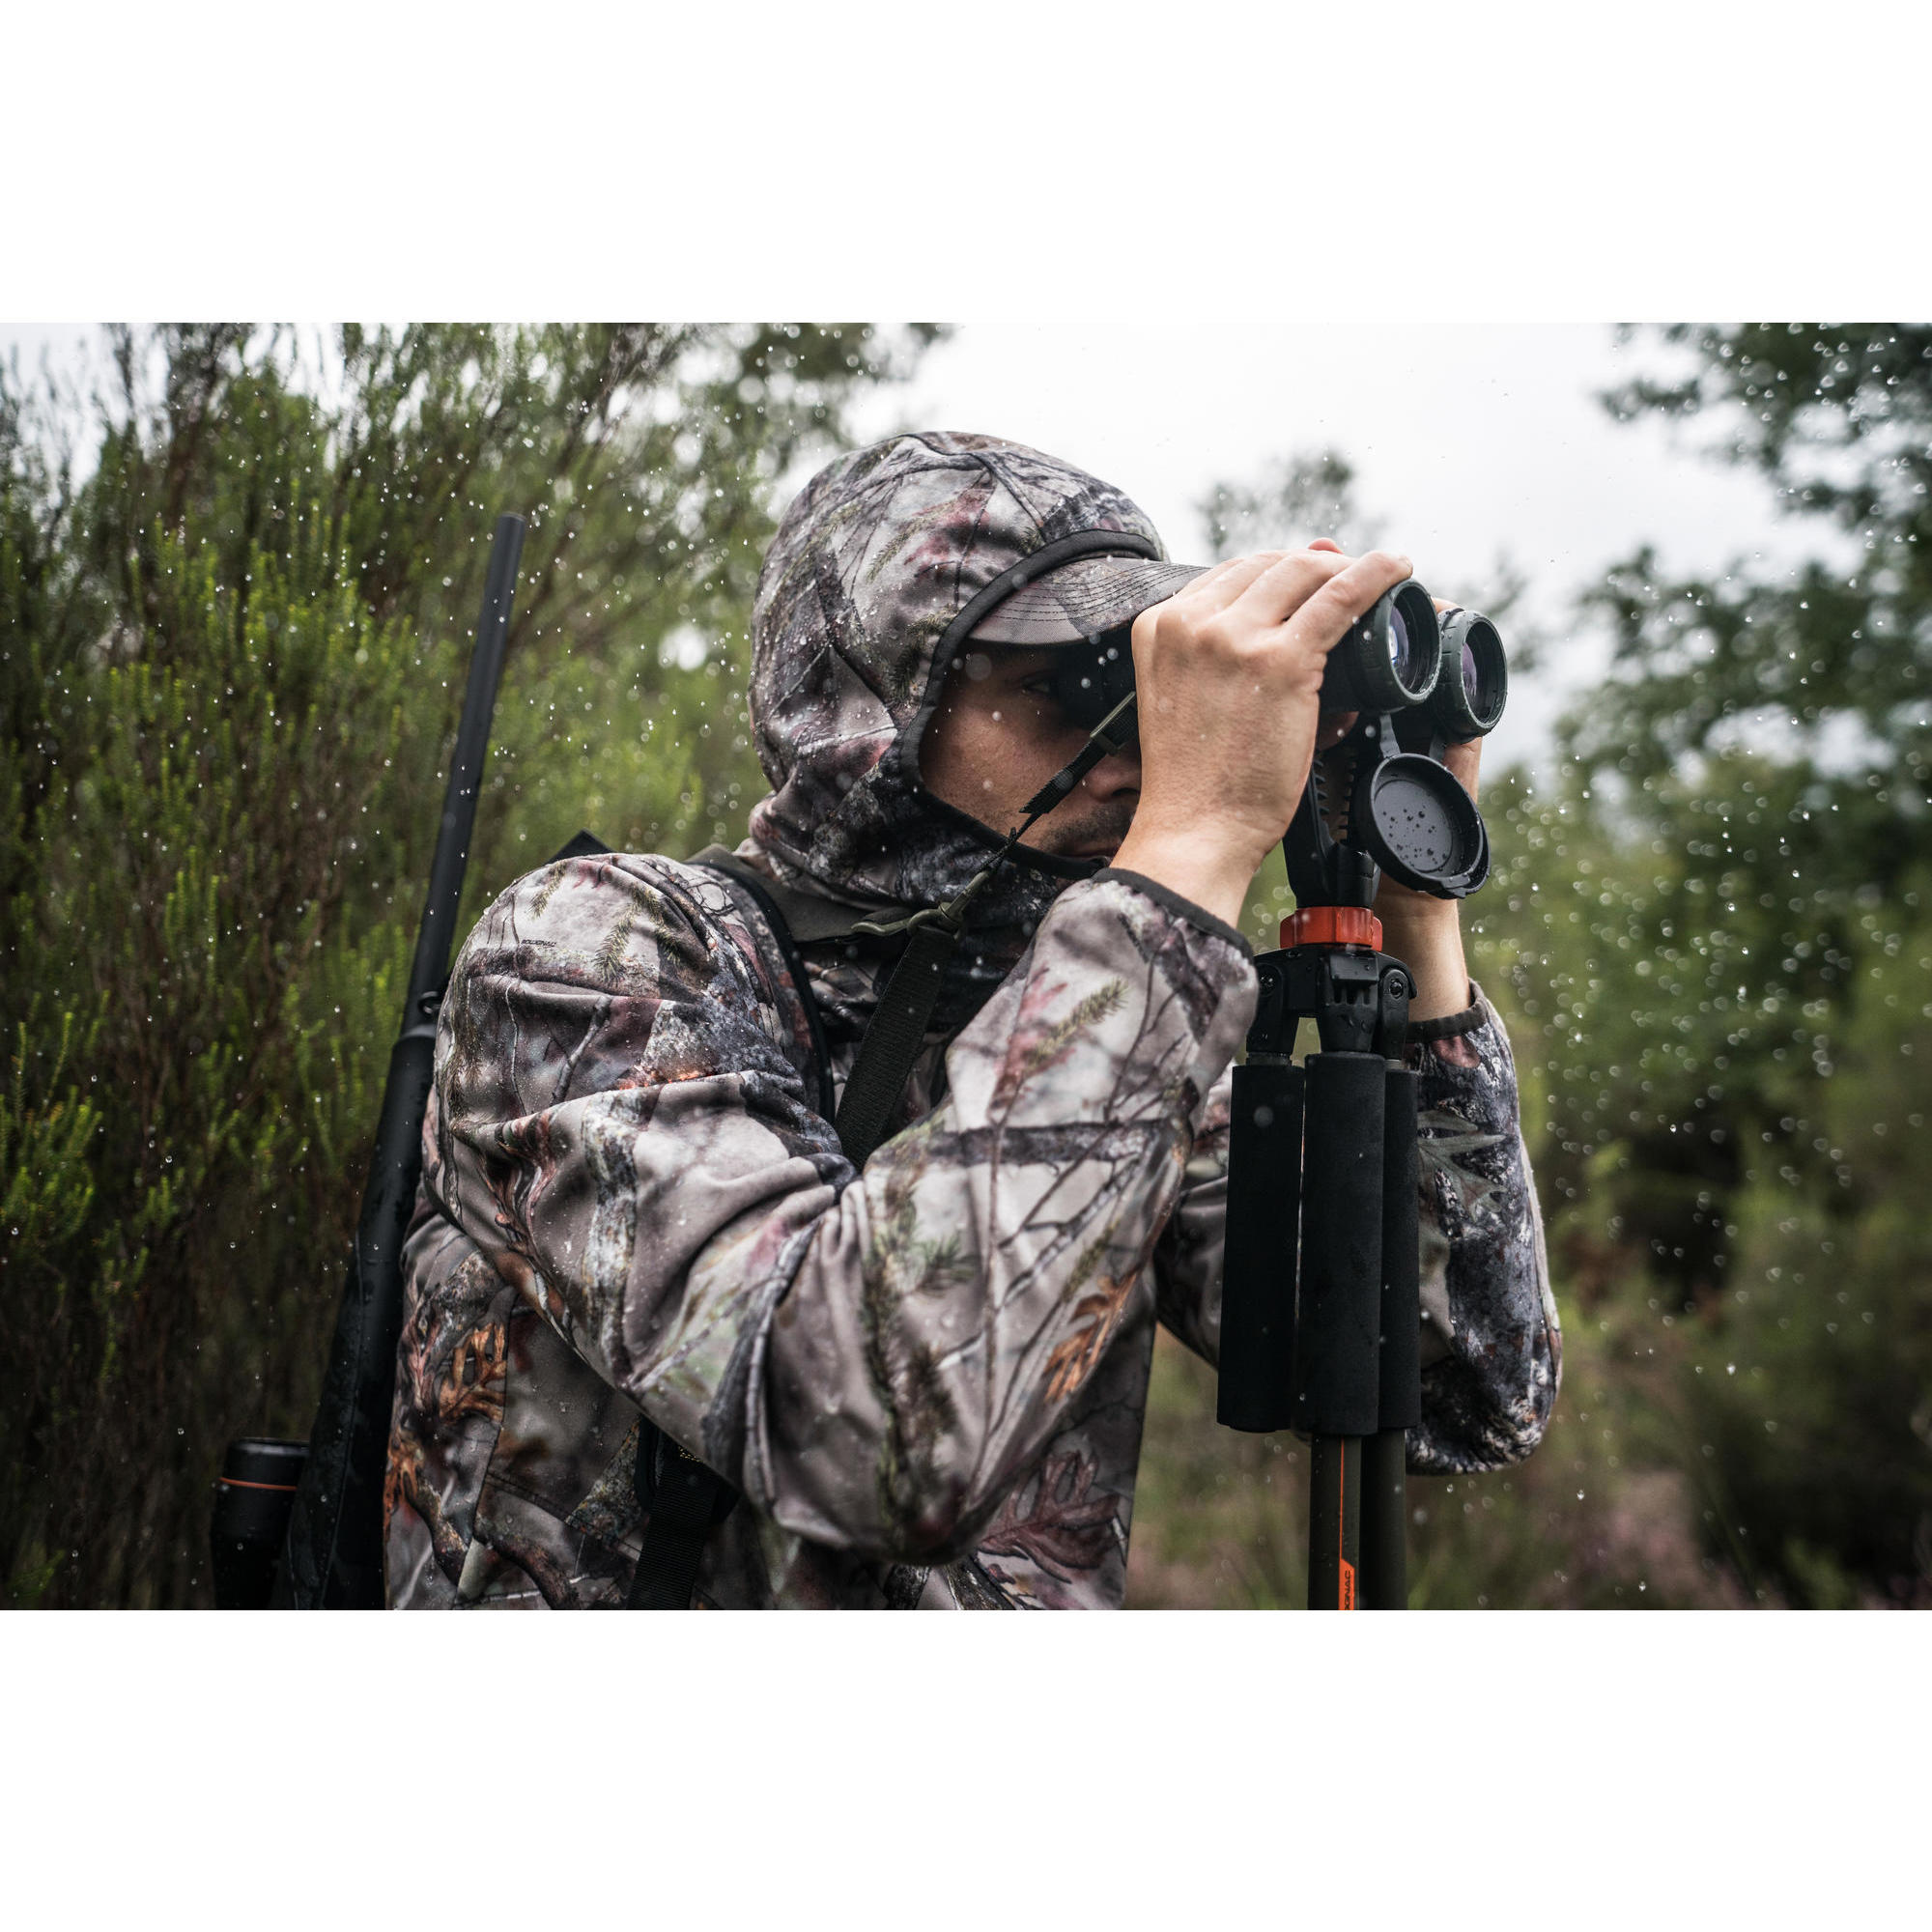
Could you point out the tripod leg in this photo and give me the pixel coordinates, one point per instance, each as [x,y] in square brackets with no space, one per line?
[1337,1357]
[1258,1273]
[1334,1521]
[1384,1584]
[1384,1578]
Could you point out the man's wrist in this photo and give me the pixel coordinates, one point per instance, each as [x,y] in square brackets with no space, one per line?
[1427,937]
[1211,872]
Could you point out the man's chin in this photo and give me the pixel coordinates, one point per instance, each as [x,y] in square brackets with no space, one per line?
[1100,849]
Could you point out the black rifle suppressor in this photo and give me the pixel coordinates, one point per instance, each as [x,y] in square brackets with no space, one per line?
[333,1553]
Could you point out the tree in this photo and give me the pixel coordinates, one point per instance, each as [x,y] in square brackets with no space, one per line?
[1734,940]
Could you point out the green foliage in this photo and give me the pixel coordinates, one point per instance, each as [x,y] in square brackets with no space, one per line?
[231,660]
[1299,499]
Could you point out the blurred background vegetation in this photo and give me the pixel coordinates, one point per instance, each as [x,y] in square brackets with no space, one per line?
[237,584]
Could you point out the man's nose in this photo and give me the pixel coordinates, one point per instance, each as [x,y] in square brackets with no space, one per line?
[1118,773]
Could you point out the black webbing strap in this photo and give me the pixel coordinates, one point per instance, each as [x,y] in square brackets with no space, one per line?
[895,1038]
[684,1499]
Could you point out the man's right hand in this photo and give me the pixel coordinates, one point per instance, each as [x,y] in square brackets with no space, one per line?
[1228,676]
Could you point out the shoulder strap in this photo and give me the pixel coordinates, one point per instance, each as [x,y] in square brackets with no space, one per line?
[895,1040]
[897,1036]
[801,915]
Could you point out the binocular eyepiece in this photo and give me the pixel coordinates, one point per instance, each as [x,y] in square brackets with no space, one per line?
[1400,657]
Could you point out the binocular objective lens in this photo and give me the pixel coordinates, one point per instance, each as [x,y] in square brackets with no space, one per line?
[1472,680]
[1398,649]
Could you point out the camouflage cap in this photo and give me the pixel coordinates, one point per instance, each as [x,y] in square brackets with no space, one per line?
[1082,599]
[885,562]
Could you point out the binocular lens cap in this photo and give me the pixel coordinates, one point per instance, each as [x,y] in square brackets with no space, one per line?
[1415,819]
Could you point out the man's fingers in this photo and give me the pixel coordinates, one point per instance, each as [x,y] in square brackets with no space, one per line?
[1466,761]
[1322,619]
[1220,587]
[1274,594]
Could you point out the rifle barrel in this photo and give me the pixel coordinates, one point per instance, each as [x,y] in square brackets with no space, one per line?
[333,1557]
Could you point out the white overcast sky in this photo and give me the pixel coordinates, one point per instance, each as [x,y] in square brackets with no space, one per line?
[1470,440]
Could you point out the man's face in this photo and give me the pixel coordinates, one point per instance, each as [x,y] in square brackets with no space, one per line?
[999,734]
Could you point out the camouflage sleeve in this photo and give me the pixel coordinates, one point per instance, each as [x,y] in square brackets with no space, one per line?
[1491,1347]
[1187,1262]
[1491,1350]
[874,1359]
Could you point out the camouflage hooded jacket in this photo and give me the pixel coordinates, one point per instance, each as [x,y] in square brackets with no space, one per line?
[929,1378]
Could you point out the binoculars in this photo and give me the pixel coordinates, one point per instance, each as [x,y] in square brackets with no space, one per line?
[1400,658]
[1397,658]
[1418,684]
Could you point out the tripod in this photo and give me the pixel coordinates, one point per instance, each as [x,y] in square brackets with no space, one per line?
[1321,1303]
[1321,1275]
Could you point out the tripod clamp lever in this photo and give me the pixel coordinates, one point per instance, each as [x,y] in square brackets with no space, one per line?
[1332,969]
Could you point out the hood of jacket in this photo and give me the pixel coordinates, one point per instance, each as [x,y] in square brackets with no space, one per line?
[881,567]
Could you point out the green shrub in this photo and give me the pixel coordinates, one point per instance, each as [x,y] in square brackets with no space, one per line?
[231,659]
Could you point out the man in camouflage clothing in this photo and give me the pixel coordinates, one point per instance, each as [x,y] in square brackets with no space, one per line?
[926,1377]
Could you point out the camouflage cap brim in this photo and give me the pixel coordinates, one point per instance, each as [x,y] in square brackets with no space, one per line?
[1083,597]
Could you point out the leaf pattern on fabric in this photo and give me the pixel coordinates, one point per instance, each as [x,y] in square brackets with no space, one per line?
[475,1382]
[610,1510]
[1055,1520]
[1095,1316]
[1038,1049]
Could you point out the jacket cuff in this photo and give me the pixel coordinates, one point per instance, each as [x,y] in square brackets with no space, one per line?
[1180,908]
[1452,1025]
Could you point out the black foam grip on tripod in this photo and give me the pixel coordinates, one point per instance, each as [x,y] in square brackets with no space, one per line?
[1257,1351]
[1337,1343]
[1401,1402]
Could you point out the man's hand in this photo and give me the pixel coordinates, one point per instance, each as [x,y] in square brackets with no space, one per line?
[1229,675]
[1426,933]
